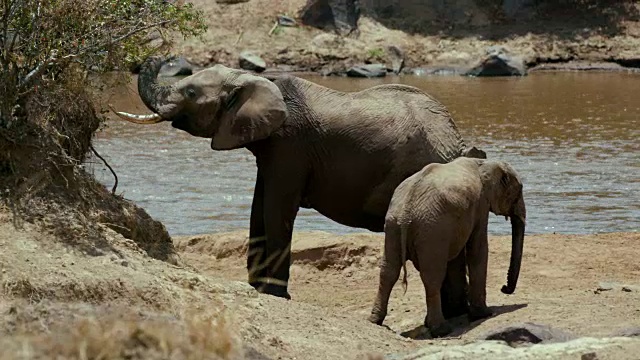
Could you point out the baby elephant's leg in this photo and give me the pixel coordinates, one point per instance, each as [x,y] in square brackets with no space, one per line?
[477,258]
[433,268]
[389,272]
[453,294]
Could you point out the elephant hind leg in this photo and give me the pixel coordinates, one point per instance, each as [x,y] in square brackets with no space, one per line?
[433,269]
[390,267]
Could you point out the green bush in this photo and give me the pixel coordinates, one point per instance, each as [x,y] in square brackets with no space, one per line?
[51,52]
[44,43]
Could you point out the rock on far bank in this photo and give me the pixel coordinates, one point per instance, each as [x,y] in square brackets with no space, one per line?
[178,67]
[250,61]
[498,61]
[368,71]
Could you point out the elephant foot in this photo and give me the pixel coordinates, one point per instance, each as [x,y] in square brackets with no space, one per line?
[480,312]
[377,319]
[275,290]
[441,330]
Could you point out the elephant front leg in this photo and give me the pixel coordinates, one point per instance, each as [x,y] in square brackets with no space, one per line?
[282,200]
[453,294]
[257,250]
[477,258]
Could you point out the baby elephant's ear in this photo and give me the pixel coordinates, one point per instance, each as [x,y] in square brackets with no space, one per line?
[251,110]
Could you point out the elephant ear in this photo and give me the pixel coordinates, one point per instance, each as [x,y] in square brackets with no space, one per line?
[250,111]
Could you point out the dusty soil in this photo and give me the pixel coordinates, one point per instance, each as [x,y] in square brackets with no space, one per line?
[124,303]
[606,37]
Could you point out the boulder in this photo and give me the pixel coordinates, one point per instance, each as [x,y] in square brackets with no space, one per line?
[498,61]
[396,56]
[528,333]
[252,62]
[368,71]
[178,67]
[340,16]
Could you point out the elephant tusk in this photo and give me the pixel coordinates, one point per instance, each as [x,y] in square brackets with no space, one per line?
[138,119]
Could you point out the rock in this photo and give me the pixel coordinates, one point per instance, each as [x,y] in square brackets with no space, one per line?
[528,333]
[231,2]
[177,67]
[340,16]
[397,58]
[286,21]
[605,286]
[627,332]
[368,71]
[496,350]
[498,62]
[251,61]
[589,356]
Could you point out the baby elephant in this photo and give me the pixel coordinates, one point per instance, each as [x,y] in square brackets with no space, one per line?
[440,211]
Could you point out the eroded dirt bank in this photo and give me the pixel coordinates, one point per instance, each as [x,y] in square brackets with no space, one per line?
[604,37]
[126,304]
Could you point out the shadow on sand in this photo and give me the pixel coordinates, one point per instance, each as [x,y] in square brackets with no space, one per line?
[461,324]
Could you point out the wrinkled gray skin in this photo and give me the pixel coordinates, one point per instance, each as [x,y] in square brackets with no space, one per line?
[340,153]
[438,213]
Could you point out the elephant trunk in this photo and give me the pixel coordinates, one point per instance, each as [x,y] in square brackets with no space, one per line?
[153,94]
[518,219]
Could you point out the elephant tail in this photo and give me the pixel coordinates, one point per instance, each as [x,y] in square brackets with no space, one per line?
[403,254]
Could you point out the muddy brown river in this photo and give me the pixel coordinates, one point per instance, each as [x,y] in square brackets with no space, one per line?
[573,137]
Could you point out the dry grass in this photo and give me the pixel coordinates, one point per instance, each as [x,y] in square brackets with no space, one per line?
[193,337]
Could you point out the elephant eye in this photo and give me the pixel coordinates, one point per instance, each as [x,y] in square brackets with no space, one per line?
[191,93]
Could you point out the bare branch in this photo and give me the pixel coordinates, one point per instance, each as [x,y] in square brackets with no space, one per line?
[115,185]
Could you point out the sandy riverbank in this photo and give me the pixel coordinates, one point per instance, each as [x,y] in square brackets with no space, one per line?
[124,302]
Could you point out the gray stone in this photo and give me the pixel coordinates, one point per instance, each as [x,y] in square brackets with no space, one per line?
[606,286]
[286,21]
[498,61]
[340,16]
[251,61]
[589,356]
[528,333]
[368,71]
[397,58]
[177,67]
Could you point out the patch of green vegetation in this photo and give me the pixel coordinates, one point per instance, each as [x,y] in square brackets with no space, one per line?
[375,53]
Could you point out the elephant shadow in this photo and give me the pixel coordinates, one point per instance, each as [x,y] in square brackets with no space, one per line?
[461,324]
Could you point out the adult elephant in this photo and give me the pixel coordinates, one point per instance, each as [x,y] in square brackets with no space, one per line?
[342,154]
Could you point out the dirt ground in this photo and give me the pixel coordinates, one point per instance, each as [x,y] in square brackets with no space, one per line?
[124,304]
[585,39]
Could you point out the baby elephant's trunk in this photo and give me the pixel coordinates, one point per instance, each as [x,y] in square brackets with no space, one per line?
[517,241]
